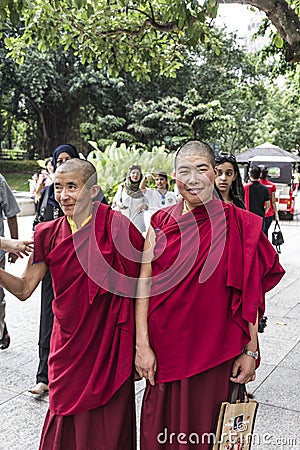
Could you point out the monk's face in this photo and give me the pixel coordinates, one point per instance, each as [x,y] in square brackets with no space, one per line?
[195,179]
[73,197]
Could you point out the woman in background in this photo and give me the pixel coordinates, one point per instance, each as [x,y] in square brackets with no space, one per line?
[130,200]
[161,196]
[45,179]
[228,182]
[229,186]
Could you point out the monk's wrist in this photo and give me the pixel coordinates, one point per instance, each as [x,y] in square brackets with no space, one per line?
[142,343]
[253,354]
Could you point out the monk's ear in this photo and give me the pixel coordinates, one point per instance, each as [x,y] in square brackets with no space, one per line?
[94,191]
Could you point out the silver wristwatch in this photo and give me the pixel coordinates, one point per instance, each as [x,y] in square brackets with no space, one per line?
[249,353]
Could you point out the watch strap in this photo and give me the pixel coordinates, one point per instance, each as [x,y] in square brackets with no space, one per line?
[249,353]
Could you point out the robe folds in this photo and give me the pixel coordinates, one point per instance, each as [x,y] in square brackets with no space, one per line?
[211,269]
[94,275]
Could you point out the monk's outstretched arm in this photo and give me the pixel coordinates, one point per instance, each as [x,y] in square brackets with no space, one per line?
[145,360]
[244,366]
[22,287]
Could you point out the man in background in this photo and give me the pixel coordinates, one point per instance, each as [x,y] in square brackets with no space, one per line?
[9,208]
[272,213]
[257,197]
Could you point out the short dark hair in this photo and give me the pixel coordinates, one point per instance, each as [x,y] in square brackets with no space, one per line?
[163,174]
[191,148]
[264,171]
[255,172]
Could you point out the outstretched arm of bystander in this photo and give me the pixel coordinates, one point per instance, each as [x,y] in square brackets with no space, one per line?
[22,287]
[16,246]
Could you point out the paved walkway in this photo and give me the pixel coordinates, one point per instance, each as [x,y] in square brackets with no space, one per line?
[276,388]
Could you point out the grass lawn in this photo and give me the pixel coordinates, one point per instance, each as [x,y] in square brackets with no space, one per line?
[17,181]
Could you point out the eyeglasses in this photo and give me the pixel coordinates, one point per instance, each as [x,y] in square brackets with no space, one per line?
[60,161]
[163,199]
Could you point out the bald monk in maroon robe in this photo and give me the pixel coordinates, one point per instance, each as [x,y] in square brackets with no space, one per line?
[93,254]
[205,271]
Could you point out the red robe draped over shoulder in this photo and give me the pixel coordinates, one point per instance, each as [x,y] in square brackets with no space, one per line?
[211,269]
[94,274]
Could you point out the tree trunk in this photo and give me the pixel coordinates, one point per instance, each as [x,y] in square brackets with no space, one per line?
[46,139]
[284,18]
[57,127]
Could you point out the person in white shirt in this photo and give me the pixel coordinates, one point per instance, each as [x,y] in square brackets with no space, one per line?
[130,199]
[160,197]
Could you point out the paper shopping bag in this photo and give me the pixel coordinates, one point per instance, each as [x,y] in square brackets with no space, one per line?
[236,421]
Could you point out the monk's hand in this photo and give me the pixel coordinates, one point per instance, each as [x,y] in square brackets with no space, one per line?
[17,247]
[243,369]
[145,363]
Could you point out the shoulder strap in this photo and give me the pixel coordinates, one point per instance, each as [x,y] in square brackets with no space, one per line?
[39,217]
[44,202]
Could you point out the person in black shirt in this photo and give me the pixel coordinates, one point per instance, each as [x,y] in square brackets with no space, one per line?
[257,196]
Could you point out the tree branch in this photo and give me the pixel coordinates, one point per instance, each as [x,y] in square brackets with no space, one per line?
[283,17]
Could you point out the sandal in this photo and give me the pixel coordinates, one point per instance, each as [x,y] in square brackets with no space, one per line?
[5,341]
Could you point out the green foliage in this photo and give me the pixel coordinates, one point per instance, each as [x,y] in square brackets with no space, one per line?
[114,161]
[27,167]
[53,98]
[138,37]
[296,5]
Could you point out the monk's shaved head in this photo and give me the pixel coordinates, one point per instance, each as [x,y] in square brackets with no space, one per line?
[192,148]
[86,169]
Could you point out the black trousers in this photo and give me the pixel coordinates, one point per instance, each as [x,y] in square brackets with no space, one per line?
[267,223]
[46,324]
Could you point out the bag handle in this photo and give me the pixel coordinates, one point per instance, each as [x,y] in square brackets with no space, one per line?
[277,225]
[238,393]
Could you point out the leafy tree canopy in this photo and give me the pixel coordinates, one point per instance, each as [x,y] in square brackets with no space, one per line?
[137,36]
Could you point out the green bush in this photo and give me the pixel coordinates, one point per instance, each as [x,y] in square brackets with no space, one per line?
[112,163]
[14,166]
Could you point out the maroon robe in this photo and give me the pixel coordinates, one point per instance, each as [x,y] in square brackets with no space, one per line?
[210,272]
[94,276]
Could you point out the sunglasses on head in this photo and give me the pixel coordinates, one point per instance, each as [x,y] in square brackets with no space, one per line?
[225,157]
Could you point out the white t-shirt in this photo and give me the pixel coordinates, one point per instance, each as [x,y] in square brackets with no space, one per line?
[157,200]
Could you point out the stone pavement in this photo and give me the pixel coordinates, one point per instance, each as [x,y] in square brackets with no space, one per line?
[276,388]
